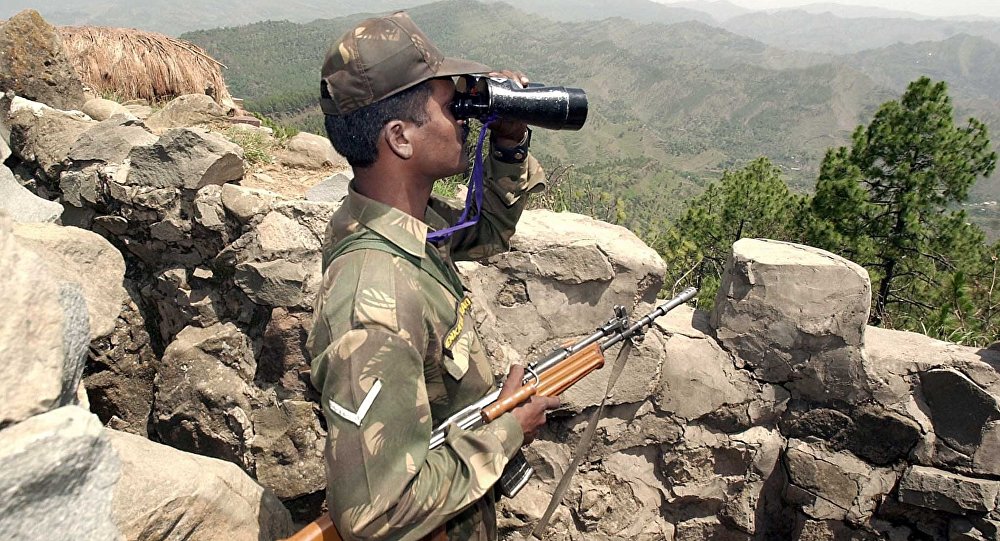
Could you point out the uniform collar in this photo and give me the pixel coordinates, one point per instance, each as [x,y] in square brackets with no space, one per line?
[398,227]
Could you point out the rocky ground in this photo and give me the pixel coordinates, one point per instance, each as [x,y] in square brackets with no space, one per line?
[158,283]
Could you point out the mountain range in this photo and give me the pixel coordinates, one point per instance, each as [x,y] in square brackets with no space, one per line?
[678,91]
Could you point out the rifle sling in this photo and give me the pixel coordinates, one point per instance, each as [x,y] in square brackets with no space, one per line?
[584,444]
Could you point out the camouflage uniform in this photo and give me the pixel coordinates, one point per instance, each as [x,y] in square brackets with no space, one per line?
[393,334]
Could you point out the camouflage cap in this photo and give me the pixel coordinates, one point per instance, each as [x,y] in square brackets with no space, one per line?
[380,57]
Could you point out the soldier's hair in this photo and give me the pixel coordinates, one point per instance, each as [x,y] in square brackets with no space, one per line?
[355,135]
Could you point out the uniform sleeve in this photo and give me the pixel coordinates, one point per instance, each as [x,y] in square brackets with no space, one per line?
[382,482]
[507,189]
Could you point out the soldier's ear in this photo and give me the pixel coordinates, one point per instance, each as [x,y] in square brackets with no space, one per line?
[397,137]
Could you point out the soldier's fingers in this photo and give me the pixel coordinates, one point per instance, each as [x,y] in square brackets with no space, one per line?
[517,76]
[513,382]
[552,402]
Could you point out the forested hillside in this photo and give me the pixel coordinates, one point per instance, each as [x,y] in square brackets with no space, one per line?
[672,106]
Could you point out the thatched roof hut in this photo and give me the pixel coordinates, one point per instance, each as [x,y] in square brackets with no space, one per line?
[134,64]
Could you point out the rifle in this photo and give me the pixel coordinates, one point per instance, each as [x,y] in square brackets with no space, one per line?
[550,376]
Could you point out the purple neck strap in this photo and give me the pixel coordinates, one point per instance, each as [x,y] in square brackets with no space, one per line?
[474,197]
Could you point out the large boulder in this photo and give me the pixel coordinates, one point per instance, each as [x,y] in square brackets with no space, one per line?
[247,203]
[952,392]
[34,64]
[203,393]
[43,135]
[58,470]
[169,495]
[119,374]
[310,151]
[43,342]
[945,491]
[101,109]
[22,205]
[700,382]
[797,316]
[834,486]
[79,256]
[725,477]
[602,266]
[278,261]
[186,111]
[187,158]
[332,189]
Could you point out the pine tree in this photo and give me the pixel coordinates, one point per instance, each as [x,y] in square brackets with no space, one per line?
[751,202]
[888,202]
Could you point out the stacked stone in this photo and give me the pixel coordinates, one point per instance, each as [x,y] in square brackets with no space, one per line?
[64,291]
[780,415]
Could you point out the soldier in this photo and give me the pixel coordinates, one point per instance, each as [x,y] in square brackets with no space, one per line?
[393,343]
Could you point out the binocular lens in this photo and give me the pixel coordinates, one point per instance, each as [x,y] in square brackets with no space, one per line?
[551,107]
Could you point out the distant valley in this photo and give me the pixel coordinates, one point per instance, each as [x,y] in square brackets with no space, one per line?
[679,92]
[678,103]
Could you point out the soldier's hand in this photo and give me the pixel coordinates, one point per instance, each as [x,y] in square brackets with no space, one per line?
[509,133]
[531,414]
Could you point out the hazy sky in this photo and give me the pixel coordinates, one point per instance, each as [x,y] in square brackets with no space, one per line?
[939,8]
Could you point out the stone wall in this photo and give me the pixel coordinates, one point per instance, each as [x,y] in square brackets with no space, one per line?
[180,296]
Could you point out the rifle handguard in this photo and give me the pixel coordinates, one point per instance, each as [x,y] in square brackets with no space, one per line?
[552,383]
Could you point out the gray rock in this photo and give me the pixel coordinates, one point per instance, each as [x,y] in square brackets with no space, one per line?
[284,359]
[120,379]
[58,469]
[530,271]
[882,437]
[247,203]
[963,530]
[169,495]
[723,475]
[986,460]
[288,448]
[698,378]
[959,408]
[310,151]
[34,64]
[797,314]
[22,205]
[208,209]
[203,398]
[635,384]
[141,111]
[834,486]
[110,141]
[101,109]
[278,262]
[945,491]
[896,355]
[188,158]
[80,191]
[80,256]
[272,283]
[4,147]
[76,339]
[332,189]
[188,110]
[33,355]
[44,135]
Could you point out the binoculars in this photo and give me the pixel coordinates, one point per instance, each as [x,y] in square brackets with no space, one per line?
[550,107]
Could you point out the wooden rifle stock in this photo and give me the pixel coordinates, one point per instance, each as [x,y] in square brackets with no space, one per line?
[552,382]
[321,529]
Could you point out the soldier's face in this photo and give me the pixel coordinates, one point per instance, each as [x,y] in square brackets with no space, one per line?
[442,138]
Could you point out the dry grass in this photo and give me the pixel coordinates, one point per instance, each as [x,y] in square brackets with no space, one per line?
[133,64]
